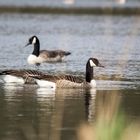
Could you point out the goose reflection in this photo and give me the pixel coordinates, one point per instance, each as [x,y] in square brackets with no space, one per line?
[45,92]
[11,90]
[90,100]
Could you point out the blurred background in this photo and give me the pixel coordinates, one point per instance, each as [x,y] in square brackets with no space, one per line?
[83,3]
[90,6]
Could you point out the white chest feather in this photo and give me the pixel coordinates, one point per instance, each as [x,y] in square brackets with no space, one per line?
[92,83]
[12,79]
[32,59]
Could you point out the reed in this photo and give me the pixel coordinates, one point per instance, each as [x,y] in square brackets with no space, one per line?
[110,122]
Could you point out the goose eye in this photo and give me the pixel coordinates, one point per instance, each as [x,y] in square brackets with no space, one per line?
[92,64]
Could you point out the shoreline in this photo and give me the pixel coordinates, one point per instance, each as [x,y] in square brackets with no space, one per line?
[107,10]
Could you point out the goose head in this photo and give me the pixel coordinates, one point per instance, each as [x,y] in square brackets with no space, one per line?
[92,62]
[33,41]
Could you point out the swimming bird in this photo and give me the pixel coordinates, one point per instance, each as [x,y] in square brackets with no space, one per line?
[39,56]
[70,81]
[19,76]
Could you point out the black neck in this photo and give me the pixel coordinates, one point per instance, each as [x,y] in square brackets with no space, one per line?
[89,72]
[36,48]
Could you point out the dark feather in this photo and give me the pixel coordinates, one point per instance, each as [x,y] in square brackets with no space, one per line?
[55,78]
[52,54]
[21,73]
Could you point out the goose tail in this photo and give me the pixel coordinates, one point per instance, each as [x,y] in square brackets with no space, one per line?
[4,72]
[67,53]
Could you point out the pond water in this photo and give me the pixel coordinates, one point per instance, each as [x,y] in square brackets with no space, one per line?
[29,112]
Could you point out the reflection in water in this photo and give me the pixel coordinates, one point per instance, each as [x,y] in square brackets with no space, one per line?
[44,93]
[37,113]
[34,113]
[90,99]
[25,114]
[30,112]
[106,117]
[11,89]
[111,121]
[103,103]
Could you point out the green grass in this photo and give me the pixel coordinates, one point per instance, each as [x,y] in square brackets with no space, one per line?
[111,130]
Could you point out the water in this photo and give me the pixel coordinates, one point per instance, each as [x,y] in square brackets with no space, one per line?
[29,112]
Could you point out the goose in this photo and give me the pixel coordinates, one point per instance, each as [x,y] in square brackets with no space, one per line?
[12,76]
[40,56]
[69,81]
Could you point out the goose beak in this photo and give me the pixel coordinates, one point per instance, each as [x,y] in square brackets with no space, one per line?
[100,65]
[27,44]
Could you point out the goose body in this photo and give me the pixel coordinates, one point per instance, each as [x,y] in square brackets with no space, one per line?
[70,81]
[60,81]
[40,56]
[18,76]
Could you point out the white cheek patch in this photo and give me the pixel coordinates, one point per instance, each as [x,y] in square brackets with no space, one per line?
[92,64]
[34,40]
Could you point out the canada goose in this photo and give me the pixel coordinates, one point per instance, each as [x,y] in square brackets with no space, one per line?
[37,57]
[70,81]
[18,76]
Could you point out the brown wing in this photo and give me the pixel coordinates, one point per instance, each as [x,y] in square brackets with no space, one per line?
[55,78]
[52,54]
[21,73]
[75,79]
[44,54]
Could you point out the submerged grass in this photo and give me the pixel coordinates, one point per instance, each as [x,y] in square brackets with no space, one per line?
[117,129]
[112,130]
[110,124]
